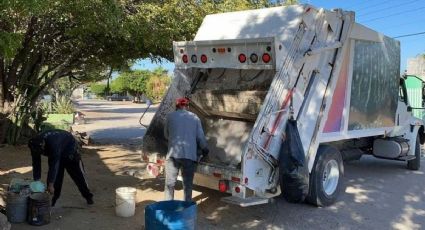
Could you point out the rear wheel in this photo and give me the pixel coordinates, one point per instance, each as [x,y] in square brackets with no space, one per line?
[326,177]
[415,164]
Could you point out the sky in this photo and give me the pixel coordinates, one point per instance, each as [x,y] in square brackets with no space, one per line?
[390,17]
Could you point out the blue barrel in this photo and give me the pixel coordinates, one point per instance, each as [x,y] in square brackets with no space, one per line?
[170,214]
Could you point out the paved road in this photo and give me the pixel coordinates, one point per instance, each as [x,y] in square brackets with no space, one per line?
[113,122]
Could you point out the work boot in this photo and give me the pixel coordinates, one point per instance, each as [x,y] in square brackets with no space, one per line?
[53,202]
[90,200]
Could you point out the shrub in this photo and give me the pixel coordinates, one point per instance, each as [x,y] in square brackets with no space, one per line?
[63,105]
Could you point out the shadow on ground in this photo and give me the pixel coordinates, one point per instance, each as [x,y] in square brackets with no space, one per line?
[379,195]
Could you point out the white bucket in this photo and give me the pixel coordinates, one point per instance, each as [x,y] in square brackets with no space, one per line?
[125,202]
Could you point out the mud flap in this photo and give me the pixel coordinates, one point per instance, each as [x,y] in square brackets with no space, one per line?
[293,169]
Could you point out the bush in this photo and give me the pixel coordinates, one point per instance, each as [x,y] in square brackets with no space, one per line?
[157,86]
[63,105]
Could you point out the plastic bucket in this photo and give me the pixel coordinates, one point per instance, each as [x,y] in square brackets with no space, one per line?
[171,214]
[125,202]
[39,209]
[16,208]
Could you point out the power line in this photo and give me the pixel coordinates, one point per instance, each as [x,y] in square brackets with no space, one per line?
[377,4]
[362,3]
[403,12]
[409,35]
[386,8]
[411,21]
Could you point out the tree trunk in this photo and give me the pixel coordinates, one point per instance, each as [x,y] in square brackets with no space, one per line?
[2,86]
[19,119]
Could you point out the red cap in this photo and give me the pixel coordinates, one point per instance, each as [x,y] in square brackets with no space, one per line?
[182,101]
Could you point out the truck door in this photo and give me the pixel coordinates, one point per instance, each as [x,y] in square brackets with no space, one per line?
[404,111]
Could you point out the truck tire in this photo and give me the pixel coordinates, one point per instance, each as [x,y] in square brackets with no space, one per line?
[324,189]
[415,164]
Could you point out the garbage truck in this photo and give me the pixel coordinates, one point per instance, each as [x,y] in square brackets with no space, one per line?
[285,96]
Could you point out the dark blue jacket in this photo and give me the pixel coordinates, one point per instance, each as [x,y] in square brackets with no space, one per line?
[57,145]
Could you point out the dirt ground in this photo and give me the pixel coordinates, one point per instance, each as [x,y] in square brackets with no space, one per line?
[379,195]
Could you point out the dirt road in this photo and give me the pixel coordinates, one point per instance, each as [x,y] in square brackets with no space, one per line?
[380,194]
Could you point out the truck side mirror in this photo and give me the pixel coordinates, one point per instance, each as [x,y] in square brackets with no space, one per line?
[409,108]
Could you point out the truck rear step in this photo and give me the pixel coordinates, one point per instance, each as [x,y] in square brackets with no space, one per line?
[250,201]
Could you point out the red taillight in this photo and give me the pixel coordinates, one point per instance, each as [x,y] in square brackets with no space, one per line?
[237,189]
[223,185]
[185,59]
[266,58]
[204,58]
[242,58]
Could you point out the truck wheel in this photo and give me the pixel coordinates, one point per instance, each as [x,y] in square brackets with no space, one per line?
[326,177]
[415,164]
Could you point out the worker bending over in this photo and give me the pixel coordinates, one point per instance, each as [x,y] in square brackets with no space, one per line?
[60,147]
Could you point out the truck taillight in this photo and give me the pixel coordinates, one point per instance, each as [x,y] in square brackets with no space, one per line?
[204,58]
[185,59]
[242,58]
[266,58]
[223,185]
[254,58]
[237,189]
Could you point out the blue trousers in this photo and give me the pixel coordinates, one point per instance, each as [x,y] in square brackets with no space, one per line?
[172,167]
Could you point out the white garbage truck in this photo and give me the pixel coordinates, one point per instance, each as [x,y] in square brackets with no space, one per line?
[285,95]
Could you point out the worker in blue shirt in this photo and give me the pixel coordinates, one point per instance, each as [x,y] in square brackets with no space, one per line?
[185,135]
[60,147]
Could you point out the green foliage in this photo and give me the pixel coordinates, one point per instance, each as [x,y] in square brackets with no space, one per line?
[45,40]
[98,89]
[131,81]
[139,84]
[121,84]
[63,105]
[157,85]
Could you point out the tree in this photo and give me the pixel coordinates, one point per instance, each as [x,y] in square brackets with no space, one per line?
[121,84]
[98,89]
[138,85]
[45,40]
[157,84]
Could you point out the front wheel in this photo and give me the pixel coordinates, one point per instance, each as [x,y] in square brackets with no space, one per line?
[326,177]
[415,164]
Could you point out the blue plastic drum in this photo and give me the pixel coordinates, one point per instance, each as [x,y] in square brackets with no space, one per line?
[171,214]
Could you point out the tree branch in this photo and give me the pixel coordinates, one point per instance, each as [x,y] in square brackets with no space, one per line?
[22,53]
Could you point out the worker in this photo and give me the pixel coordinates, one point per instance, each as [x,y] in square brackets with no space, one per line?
[185,136]
[60,147]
